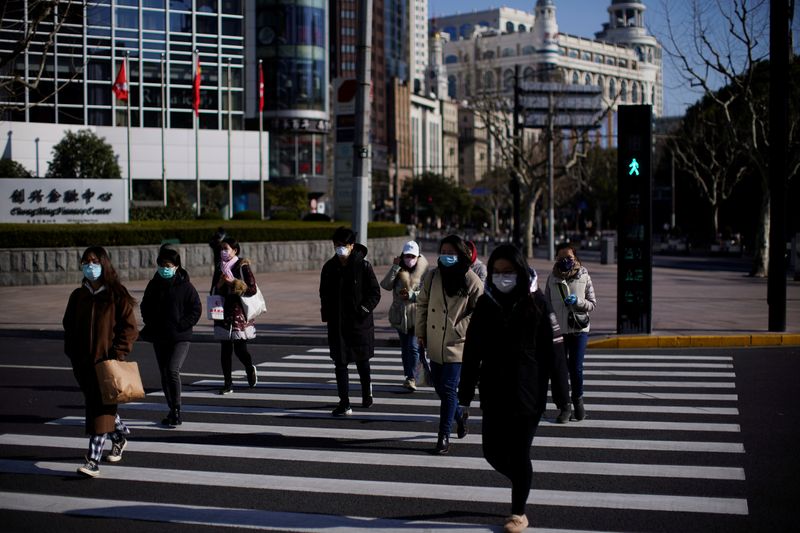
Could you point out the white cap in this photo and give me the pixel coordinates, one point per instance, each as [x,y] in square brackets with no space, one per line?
[411,248]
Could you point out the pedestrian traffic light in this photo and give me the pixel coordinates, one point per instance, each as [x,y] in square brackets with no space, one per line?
[634,230]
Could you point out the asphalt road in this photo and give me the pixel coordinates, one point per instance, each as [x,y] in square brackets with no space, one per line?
[676,440]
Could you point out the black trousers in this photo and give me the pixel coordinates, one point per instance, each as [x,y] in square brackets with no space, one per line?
[559,376]
[507,442]
[228,349]
[343,380]
[170,357]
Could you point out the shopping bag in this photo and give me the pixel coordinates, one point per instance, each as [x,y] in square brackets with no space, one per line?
[215,307]
[119,381]
[254,305]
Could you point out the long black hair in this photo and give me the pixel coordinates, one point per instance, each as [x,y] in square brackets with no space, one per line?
[454,278]
[513,255]
[109,275]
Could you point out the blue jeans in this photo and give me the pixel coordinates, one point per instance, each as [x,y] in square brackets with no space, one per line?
[575,346]
[412,354]
[445,380]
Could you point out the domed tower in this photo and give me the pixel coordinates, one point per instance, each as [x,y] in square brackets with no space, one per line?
[545,35]
[626,27]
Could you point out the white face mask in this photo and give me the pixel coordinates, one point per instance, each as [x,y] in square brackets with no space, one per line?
[505,283]
[410,261]
[342,251]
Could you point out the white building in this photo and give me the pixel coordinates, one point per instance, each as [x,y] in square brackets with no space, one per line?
[484,47]
[418,42]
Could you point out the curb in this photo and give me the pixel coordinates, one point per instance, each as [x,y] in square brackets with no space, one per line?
[697,341]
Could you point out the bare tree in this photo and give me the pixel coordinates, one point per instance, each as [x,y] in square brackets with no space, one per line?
[37,27]
[527,157]
[727,42]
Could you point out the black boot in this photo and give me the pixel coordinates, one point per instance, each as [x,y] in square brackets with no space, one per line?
[564,414]
[442,445]
[580,411]
[176,421]
[461,423]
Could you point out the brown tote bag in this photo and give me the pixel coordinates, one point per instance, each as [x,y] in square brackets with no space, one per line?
[119,381]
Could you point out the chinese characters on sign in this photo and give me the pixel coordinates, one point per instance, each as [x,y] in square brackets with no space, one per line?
[635,261]
[43,201]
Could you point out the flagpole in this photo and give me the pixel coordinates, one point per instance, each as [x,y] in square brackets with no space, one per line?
[196,144]
[260,132]
[163,125]
[230,176]
[128,107]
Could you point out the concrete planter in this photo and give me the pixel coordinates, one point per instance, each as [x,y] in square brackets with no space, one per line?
[58,266]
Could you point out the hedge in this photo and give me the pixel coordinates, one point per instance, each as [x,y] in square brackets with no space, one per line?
[185,231]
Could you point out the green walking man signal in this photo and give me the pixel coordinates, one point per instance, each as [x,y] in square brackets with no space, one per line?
[634,167]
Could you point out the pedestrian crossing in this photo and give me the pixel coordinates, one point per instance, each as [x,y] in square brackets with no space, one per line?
[660,450]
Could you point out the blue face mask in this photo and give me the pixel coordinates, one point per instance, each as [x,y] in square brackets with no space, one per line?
[92,271]
[448,260]
[167,272]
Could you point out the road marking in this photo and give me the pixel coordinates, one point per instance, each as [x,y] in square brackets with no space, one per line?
[422,437]
[378,416]
[406,400]
[37,367]
[426,461]
[391,489]
[399,368]
[663,384]
[394,389]
[222,516]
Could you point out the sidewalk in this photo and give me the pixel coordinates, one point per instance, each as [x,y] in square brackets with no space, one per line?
[691,307]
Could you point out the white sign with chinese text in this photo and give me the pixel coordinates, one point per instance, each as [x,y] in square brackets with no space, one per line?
[63,201]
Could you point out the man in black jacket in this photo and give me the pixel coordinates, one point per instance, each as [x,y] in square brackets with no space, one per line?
[349,292]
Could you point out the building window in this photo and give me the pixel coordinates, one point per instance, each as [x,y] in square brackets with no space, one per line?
[450,59]
[587,80]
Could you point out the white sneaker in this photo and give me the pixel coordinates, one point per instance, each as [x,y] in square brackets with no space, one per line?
[515,523]
[410,384]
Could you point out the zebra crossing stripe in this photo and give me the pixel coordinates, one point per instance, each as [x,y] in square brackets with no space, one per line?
[373,415]
[411,436]
[405,400]
[399,368]
[392,489]
[222,516]
[385,459]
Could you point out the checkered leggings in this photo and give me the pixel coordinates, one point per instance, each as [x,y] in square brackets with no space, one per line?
[97,442]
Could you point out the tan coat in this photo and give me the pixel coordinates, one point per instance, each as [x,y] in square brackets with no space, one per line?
[442,320]
[95,328]
[403,312]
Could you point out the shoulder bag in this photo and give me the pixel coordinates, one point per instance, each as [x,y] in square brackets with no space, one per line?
[254,305]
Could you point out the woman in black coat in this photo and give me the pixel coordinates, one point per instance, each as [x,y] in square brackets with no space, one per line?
[348,292]
[510,348]
[170,309]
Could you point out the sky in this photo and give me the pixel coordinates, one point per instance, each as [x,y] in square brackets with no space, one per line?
[585,17]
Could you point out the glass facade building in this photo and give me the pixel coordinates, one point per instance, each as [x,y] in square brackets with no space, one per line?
[292,41]
[159,37]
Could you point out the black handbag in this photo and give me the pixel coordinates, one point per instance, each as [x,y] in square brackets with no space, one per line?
[575,319]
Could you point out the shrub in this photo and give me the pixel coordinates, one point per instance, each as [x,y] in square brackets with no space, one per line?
[186,231]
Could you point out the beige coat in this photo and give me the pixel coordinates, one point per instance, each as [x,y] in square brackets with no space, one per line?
[403,312]
[442,320]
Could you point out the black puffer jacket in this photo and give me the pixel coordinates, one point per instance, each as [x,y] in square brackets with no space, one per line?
[348,293]
[510,352]
[170,308]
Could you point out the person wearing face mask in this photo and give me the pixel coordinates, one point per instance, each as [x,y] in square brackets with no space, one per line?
[512,344]
[99,323]
[444,307]
[348,293]
[170,309]
[571,293]
[404,279]
[233,278]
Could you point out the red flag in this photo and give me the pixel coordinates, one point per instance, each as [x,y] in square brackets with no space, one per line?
[196,87]
[260,88]
[120,86]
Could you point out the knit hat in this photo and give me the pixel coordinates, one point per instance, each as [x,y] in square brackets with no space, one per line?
[411,248]
[168,255]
